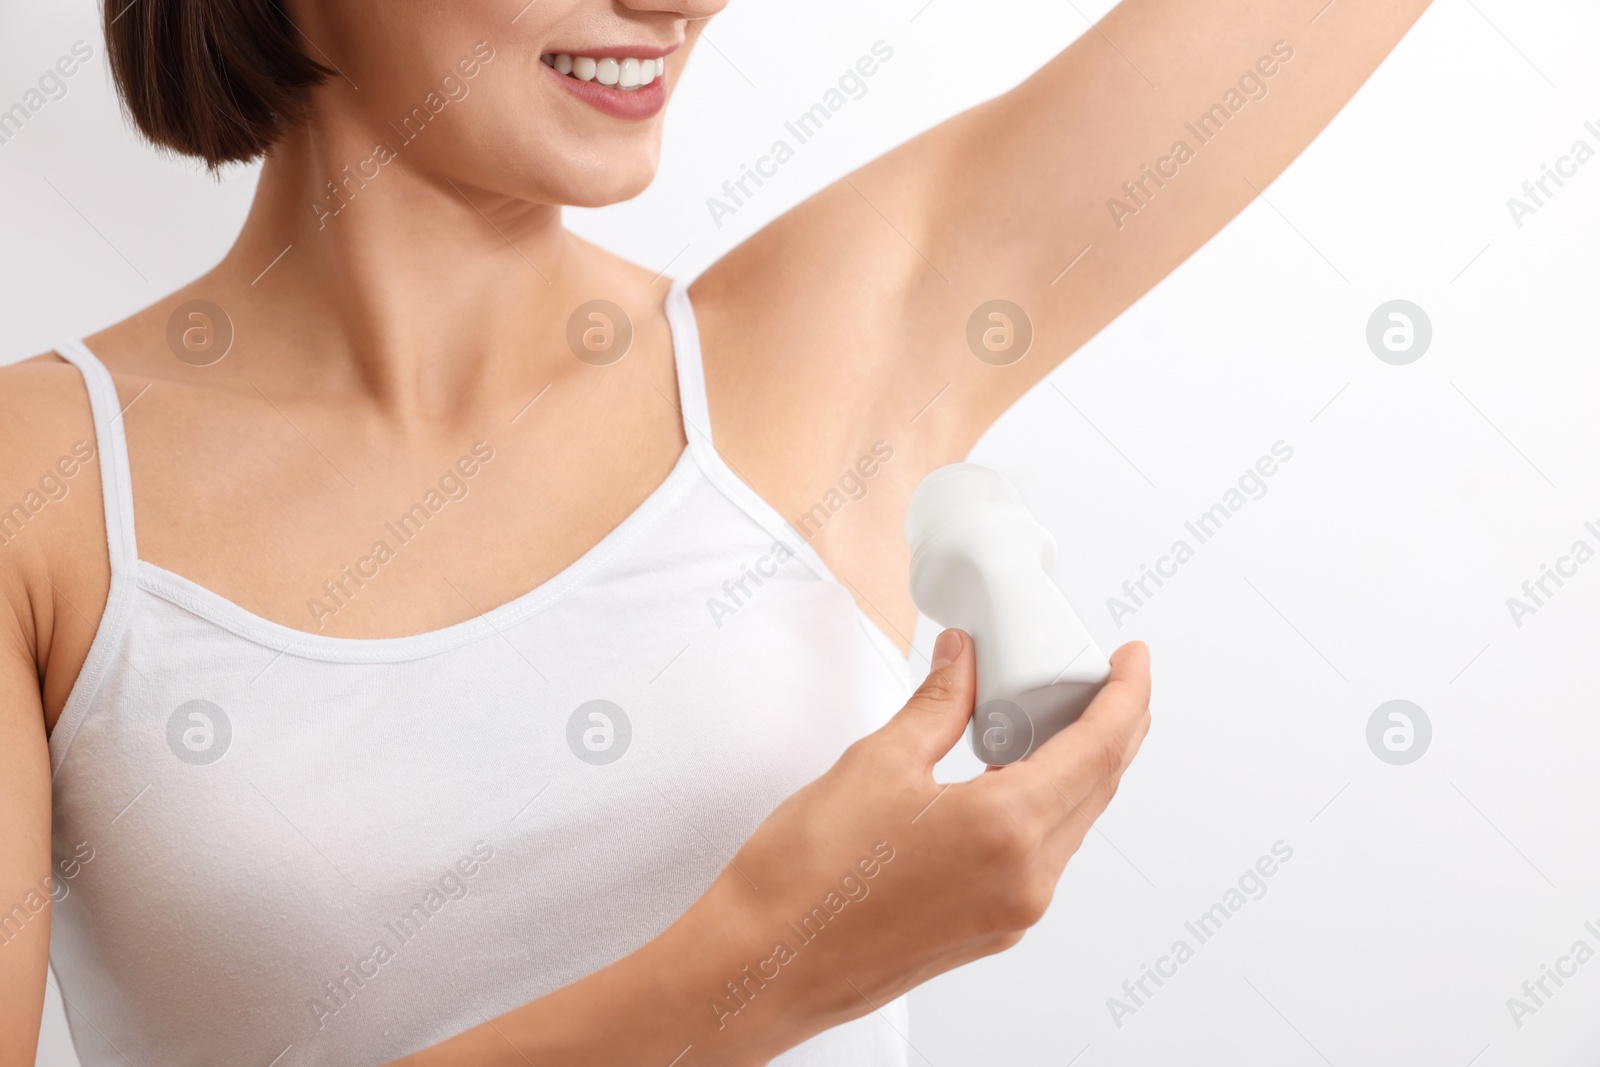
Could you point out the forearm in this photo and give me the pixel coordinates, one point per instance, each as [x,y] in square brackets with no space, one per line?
[650,1008]
[845,897]
[1244,85]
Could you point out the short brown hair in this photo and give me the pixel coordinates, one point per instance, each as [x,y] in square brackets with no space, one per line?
[217,79]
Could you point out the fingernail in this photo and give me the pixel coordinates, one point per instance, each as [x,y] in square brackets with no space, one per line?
[946,649]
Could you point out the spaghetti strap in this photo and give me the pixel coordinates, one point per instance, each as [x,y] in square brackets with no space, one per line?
[697,428]
[112,445]
[691,373]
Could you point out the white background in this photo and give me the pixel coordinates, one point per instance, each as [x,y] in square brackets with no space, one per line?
[1377,566]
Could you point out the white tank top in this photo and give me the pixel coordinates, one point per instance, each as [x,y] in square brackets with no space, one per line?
[310,850]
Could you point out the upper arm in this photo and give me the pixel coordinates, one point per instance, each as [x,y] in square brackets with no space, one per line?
[24,766]
[1124,155]
[873,284]
[53,565]
[24,844]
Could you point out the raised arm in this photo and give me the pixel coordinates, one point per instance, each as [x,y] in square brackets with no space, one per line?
[1070,197]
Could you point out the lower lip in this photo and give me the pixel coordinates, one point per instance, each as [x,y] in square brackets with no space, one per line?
[618,103]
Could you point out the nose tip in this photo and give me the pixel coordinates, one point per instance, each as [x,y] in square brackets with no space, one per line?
[691,10]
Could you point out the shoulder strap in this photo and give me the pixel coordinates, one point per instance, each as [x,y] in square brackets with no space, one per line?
[691,373]
[111,443]
[697,428]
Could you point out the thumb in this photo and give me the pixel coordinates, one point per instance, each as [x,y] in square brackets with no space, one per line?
[932,720]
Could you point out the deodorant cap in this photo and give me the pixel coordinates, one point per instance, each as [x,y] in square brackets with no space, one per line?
[953,494]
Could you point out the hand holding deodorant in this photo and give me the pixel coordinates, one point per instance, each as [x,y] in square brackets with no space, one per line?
[981,562]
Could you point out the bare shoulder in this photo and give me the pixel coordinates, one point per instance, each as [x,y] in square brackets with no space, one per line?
[44,415]
[54,566]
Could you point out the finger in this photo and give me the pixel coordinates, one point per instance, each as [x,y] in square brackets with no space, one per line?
[1141,731]
[1079,801]
[1129,684]
[933,719]
[1082,800]
[1116,717]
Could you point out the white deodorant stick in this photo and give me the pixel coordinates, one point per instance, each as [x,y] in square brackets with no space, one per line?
[981,562]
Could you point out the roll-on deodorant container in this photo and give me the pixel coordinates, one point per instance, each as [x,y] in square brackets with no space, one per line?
[981,562]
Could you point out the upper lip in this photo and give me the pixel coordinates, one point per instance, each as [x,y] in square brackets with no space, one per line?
[625,51]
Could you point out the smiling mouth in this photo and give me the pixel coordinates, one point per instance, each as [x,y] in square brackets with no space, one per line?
[627,74]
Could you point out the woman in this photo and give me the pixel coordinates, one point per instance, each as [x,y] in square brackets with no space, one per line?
[490,594]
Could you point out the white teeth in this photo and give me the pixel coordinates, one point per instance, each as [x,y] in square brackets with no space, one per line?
[626,74]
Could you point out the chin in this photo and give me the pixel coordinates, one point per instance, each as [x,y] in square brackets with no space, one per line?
[606,185]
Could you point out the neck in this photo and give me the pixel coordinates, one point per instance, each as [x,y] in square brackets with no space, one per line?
[382,279]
